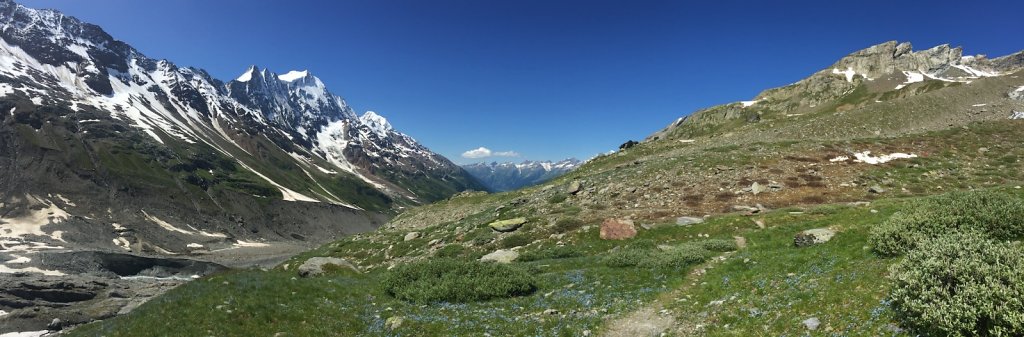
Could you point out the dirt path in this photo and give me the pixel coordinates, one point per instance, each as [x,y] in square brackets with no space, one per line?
[654,319]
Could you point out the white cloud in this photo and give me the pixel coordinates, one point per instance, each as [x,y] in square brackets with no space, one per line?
[483,152]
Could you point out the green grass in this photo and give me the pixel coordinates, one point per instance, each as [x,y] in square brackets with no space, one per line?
[771,286]
[766,288]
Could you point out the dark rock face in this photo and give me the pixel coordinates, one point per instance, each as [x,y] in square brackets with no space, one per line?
[97,285]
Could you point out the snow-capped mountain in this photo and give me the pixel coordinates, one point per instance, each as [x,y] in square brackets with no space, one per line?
[89,122]
[510,176]
[876,74]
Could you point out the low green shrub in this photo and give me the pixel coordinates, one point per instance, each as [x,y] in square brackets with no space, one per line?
[961,284]
[997,215]
[556,252]
[567,224]
[515,240]
[628,257]
[458,281]
[557,198]
[453,250]
[681,256]
[652,257]
[718,245]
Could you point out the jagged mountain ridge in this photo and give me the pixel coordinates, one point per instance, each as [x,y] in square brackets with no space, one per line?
[510,176]
[885,71]
[89,122]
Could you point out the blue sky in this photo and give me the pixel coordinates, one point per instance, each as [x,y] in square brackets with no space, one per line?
[545,79]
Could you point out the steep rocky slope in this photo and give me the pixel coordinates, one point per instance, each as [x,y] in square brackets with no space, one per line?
[102,147]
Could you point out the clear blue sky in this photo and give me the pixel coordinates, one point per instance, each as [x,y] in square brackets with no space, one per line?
[546,79]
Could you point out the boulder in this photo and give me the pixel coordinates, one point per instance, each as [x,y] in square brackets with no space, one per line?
[688,220]
[412,236]
[501,256]
[628,144]
[394,322]
[315,266]
[876,189]
[615,229]
[574,187]
[509,225]
[811,323]
[757,188]
[813,237]
[1018,114]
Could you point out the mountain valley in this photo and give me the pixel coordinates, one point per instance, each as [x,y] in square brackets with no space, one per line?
[140,198]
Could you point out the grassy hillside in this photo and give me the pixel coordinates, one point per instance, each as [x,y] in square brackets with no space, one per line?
[756,177]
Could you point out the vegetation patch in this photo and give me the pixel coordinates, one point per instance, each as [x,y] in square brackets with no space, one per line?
[962,284]
[644,256]
[556,252]
[456,281]
[998,215]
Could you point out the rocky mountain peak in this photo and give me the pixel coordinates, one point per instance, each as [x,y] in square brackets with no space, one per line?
[376,122]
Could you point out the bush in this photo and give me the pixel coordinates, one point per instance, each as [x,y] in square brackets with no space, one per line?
[645,257]
[961,285]
[682,256]
[557,198]
[451,280]
[567,224]
[998,215]
[557,252]
[718,245]
[515,240]
[452,250]
[628,257]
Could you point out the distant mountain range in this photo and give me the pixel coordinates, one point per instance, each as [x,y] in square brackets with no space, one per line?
[510,176]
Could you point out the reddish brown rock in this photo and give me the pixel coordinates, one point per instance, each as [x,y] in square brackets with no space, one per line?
[615,229]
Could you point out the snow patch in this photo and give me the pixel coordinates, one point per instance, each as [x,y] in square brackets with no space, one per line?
[838,159]
[848,73]
[4,269]
[979,105]
[974,72]
[912,77]
[286,194]
[194,245]
[747,104]
[165,225]
[6,89]
[1017,115]
[867,158]
[247,76]
[240,243]
[26,334]
[31,224]
[123,243]
[293,75]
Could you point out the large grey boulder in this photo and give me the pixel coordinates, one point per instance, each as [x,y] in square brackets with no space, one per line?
[509,225]
[813,237]
[501,256]
[688,220]
[315,266]
[574,187]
